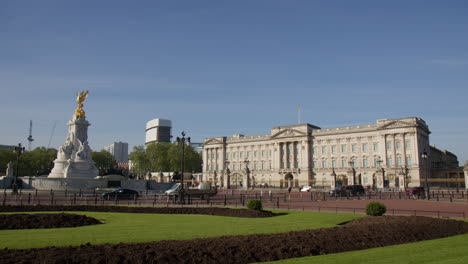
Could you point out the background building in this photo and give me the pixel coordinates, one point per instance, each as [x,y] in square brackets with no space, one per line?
[119,150]
[387,154]
[198,147]
[158,130]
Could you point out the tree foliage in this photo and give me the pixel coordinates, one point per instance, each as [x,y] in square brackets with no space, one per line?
[103,160]
[164,156]
[37,162]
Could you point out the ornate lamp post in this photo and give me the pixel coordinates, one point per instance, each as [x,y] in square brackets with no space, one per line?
[424,157]
[181,140]
[18,150]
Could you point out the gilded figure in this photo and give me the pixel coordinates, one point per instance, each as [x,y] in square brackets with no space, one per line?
[79,113]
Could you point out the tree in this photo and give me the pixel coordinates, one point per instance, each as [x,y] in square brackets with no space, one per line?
[158,156]
[31,163]
[140,161]
[192,159]
[104,161]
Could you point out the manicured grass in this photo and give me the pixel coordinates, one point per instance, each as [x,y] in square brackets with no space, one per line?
[126,227]
[453,250]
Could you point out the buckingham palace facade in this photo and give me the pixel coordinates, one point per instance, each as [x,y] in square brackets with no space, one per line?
[391,153]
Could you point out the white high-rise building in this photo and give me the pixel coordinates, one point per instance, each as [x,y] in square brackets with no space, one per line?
[158,130]
[119,150]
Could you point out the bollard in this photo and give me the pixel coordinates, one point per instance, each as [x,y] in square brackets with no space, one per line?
[74,199]
[29,198]
[277,202]
[81,194]
[52,198]
[225,200]
[135,197]
[36,193]
[4,199]
[95,199]
[66,192]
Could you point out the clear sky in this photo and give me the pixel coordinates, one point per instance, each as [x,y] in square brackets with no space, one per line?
[217,68]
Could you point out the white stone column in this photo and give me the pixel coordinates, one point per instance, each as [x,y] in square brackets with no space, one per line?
[465,171]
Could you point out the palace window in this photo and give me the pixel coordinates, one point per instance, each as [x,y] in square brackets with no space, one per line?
[376,147]
[389,161]
[353,147]
[407,144]
[365,163]
[364,147]
[408,160]
[333,148]
[398,145]
[314,164]
[389,145]
[324,149]
[343,148]
[333,163]
[324,163]
[343,163]
[241,155]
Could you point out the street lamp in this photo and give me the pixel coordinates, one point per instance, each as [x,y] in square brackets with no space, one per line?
[19,150]
[227,185]
[182,141]
[424,157]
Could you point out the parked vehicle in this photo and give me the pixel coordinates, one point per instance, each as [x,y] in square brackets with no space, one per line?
[348,190]
[306,188]
[204,189]
[416,191]
[120,194]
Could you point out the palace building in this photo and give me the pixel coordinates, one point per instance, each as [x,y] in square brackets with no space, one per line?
[391,153]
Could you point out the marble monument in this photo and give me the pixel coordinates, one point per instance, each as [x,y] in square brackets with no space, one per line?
[74,156]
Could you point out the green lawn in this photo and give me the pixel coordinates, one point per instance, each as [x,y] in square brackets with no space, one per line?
[126,227]
[453,250]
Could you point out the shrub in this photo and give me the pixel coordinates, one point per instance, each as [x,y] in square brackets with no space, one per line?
[375,209]
[254,204]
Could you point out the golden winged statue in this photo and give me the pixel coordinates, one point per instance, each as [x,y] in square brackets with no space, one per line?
[80,97]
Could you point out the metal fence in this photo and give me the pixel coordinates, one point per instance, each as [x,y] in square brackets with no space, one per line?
[276,200]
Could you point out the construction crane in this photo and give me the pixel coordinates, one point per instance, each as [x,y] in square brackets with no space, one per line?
[30,138]
[52,133]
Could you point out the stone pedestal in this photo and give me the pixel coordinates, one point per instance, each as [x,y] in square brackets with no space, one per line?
[227,179]
[350,175]
[333,181]
[379,179]
[246,180]
[74,156]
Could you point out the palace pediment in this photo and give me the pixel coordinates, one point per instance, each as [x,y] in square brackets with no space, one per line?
[396,124]
[213,141]
[288,132]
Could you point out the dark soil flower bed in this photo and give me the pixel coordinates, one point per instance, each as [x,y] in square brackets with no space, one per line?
[140,209]
[359,234]
[37,221]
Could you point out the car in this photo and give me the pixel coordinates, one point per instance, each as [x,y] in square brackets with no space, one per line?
[120,194]
[416,191]
[306,188]
[348,190]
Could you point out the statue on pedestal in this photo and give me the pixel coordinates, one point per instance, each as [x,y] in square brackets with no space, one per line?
[74,156]
[9,170]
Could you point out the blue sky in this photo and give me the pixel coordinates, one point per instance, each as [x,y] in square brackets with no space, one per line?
[217,68]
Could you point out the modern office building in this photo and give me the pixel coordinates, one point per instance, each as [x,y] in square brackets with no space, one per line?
[119,150]
[158,130]
[391,153]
